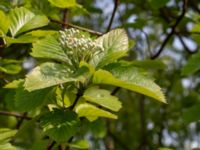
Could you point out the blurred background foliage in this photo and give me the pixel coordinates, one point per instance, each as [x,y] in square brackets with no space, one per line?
[142,124]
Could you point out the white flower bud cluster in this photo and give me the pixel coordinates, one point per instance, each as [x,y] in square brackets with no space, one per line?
[78,46]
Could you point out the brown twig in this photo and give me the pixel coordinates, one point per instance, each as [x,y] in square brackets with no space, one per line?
[20,121]
[65,12]
[17,115]
[116,3]
[77,27]
[173,29]
[50,145]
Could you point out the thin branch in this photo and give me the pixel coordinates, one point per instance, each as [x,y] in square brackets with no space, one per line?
[50,145]
[115,90]
[65,12]
[20,121]
[69,141]
[173,29]
[116,2]
[17,115]
[77,27]
[184,44]
[148,41]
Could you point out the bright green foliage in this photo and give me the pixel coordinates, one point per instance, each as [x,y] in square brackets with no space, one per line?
[81,144]
[49,48]
[65,98]
[22,20]
[92,112]
[47,75]
[102,97]
[6,134]
[130,78]
[67,82]
[63,3]
[115,44]
[10,66]
[5,137]
[60,125]
[4,23]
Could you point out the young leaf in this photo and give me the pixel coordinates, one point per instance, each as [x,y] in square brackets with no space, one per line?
[22,20]
[192,65]
[81,144]
[7,146]
[103,98]
[10,66]
[115,44]
[92,112]
[60,125]
[4,23]
[6,134]
[49,48]
[131,78]
[47,75]
[63,3]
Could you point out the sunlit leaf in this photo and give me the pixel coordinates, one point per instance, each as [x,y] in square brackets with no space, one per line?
[92,112]
[49,48]
[47,75]
[131,78]
[103,98]
[115,44]
[5,22]
[81,144]
[63,3]
[6,134]
[22,20]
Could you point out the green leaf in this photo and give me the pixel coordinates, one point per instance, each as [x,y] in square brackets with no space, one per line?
[192,65]
[129,77]
[149,64]
[60,125]
[28,101]
[92,112]
[14,84]
[102,97]
[47,75]
[81,144]
[23,20]
[63,3]
[192,114]
[7,146]
[67,98]
[6,134]
[98,128]
[4,23]
[49,48]
[115,44]
[29,37]
[10,66]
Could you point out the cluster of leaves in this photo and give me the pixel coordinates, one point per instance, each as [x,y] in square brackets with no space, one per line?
[68,82]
